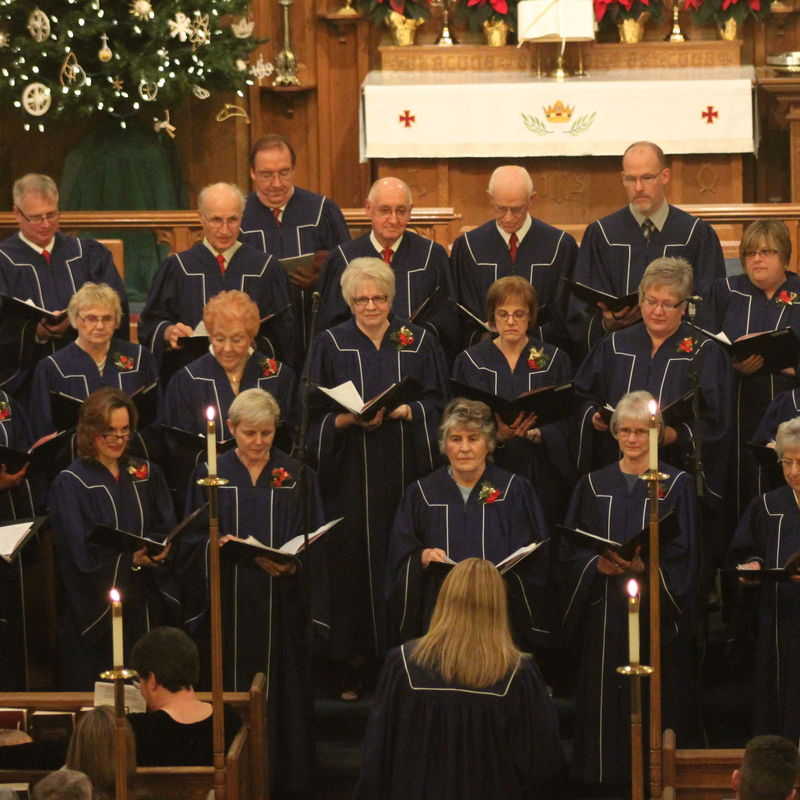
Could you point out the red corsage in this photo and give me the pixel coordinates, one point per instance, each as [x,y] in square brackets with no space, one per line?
[125,363]
[5,410]
[140,472]
[686,345]
[279,477]
[402,338]
[787,298]
[269,367]
[489,494]
[537,358]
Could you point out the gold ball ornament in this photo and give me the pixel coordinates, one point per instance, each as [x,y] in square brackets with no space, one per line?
[104,53]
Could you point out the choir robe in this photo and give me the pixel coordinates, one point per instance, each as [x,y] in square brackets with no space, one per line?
[737,307]
[265,619]
[433,514]
[547,465]
[363,473]
[431,740]
[309,222]
[769,531]
[614,254]
[72,371]
[25,274]
[786,405]
[186,281]
[82,496]
[596,619]
[621,363]
[544,256]
[21,502]
[420,268]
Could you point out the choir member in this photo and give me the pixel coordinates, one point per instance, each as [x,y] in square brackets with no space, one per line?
[286,221]
[613,503]
[767,535]
[468,508]
[186,281]
[365,465]
[420,266]
[514,243]
[511,364]
[93,360]
[267,605]
[103,486]
[764,298]
[46,267]
[461,713]
[616,249]
[786,405]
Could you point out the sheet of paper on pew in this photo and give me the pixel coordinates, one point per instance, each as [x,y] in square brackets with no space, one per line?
[104,696]
[594,296]
[245,550]
[346,395]
[508,563]
[15,535]
[28,310]
[779,349]
[790,568]
[668,530]
[41,457]
[65,409]
[554,20]
[675,413]
[550,403]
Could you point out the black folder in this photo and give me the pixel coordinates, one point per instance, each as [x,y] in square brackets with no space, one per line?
[594,296]
[19,309]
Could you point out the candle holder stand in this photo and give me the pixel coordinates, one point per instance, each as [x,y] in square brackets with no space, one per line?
[119,675]
[636,672]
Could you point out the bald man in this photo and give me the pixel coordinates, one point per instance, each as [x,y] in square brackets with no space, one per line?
[186,281]
[513,243]
[420,266]
[616,249]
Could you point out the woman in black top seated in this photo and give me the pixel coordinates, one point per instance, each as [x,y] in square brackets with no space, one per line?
[177,728]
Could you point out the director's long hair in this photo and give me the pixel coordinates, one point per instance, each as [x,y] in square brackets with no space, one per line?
[469,639]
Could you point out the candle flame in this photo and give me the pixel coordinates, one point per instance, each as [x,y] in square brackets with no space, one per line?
[211,413]
[651,405]
[632,587]
[115,596]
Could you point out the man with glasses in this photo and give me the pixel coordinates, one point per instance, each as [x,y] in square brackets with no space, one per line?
[41,265]
[616,249]
[420,266]
[186,281]
[514,243]
[286,221]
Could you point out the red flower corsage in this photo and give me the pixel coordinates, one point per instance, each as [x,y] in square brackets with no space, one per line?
[537,358]
[5,410]
[686,345]
[489,494]
[122,362]
[269,367]
[787,298]
[279,477]
[402,338]
[140,472]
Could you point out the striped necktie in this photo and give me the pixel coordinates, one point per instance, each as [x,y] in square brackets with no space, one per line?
[648,227]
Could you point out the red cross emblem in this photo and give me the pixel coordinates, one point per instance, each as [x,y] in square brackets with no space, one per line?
[407,118]
[709,115]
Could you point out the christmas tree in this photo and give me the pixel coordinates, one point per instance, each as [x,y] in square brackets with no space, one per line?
[123,58]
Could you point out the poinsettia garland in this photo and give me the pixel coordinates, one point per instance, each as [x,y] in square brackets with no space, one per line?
[476,12]
[618,10]
[719,11]
[379,10]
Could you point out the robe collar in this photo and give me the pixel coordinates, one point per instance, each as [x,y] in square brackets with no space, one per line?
[521,233]
[35,247]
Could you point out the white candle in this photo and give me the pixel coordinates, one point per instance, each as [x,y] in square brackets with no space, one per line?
[211,442]
[653,453]
[116,629]
[633,622]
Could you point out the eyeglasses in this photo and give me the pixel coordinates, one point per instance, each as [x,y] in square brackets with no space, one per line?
[38,219]
[236,341]
[789,463]
[93,319]
[651,302]
[631,433]
[632,180]
[517,315]
[220,222]
[269,175]
[116,436]
[388,211]
[515,211]
[764,252]
[376,300]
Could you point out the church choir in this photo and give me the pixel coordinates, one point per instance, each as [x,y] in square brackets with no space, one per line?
[430,479]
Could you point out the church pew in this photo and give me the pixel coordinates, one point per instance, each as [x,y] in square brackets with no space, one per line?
[697,774]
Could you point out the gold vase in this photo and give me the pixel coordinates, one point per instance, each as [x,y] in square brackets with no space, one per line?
[403,29]
[728,30]
[631,30]
[496,32]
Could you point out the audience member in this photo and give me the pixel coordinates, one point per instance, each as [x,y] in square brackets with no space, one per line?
[769,770]
[63,784]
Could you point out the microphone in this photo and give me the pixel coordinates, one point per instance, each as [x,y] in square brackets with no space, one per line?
[315,298]
[695,298]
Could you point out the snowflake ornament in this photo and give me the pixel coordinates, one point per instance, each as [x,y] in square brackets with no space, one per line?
[261,69]
[200,33]
[38,25]
[142,9]
[181,27]
[36,99]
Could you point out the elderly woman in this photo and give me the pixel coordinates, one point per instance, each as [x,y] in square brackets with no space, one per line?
[468,508]
[763,298]
[512,363]
[93,360]
[768,534]
[103,486]
[265,602]
[461,714]
[613,503]
[365,464]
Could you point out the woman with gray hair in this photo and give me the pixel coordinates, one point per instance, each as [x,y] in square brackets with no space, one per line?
[364,464]
[468,508]
[612,502]
[767,536]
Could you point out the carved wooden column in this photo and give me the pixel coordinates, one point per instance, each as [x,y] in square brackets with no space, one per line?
[786,92]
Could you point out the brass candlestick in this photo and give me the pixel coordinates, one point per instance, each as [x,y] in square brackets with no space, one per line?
[636,672]
[119,675]
[347,10]
[445,37]
[677,34]
[285,62]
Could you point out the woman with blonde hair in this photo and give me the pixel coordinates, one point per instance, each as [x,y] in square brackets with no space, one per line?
[461,713]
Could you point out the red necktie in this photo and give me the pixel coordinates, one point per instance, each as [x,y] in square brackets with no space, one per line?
[46,256]
[387,254]
[276,212]
[512,247]
[221,262]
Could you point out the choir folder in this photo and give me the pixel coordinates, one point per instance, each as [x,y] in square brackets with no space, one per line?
[550,403]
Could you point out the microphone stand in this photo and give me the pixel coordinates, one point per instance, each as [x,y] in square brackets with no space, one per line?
[694,382]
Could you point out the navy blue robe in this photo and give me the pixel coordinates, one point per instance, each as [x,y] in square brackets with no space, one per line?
[786,405]
[614,254]
[595,616]
[186,281]
[25,274]
[72,371]
[265,619]
[547,465]
[770,532]
[621,363]
[310,222]
[363,473]
[430,740]
[82,496]
[545,256]
[433,514]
